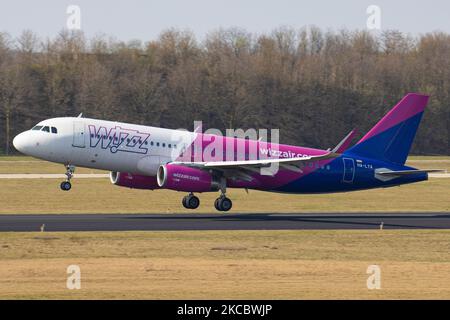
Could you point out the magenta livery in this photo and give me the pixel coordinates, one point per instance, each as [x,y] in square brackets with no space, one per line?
[144,157]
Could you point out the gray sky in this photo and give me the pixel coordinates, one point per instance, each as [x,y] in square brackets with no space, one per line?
[145,19]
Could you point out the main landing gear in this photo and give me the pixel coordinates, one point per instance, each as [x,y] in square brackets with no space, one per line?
[66,185]
[190,201]
[223,203]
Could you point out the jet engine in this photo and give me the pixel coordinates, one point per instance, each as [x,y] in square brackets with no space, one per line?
[134,181]
[182,178]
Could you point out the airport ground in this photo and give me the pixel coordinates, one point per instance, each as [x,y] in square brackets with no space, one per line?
[257,264]
[37,196]
[414,264]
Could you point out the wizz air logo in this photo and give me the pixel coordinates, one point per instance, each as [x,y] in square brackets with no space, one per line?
[118,139]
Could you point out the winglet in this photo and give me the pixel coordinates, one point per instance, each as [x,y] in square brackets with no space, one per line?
[345,143]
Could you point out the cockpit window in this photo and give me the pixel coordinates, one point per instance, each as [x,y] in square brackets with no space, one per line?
[37,128]
[46,129]
[54,130]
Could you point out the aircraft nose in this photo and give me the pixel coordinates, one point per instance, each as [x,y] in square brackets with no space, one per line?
[20,142]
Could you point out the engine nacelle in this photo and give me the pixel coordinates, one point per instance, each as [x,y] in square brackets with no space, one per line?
[134,181]
[181,178]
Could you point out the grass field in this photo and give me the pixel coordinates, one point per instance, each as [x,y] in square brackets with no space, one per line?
[22,164]
[100,196]
[228,264]
[415,264]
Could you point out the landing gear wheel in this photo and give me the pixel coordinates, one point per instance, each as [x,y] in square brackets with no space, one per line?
[184,202]
[216,204]
[191,202]
[223,204]
[66,185]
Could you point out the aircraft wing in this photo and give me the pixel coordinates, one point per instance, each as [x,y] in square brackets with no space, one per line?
[288,163]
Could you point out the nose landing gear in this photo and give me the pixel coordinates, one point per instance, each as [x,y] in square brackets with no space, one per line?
[66,185]
[190,201]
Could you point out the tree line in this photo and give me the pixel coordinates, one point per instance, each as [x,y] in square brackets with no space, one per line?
[314,85]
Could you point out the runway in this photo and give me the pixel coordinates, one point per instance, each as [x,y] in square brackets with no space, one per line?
[223,221]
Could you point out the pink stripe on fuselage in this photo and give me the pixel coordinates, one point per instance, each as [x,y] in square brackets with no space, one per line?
[252,151]
[408,107]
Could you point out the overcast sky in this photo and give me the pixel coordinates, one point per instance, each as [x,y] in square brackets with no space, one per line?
[145,19]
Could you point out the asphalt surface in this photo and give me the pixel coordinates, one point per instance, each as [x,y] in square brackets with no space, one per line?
[223,221]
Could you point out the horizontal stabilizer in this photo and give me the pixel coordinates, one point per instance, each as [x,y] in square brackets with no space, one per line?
[385,172]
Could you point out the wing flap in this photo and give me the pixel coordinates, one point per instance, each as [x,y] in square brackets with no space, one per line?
[255,164]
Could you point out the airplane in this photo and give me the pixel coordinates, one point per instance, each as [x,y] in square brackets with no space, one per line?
[144,157]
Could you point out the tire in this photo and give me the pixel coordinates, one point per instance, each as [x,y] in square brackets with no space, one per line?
[66,186]
[184,202]
[193,202]
[216,204]
[225,204]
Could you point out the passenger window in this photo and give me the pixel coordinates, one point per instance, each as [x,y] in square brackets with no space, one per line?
[46,129]
[54,130]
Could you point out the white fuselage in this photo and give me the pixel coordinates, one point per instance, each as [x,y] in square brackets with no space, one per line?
[106,145]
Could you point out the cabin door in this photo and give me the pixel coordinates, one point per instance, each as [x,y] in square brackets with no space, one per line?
[349,170]
[78,134]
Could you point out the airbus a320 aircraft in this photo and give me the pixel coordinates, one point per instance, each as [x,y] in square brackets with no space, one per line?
[145,157]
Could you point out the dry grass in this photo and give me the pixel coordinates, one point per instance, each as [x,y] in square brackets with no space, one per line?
[228,264]
[30,165]
[100,196]
[415,264]
[430,163]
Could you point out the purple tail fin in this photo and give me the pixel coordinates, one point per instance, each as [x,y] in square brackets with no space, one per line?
[391,138]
